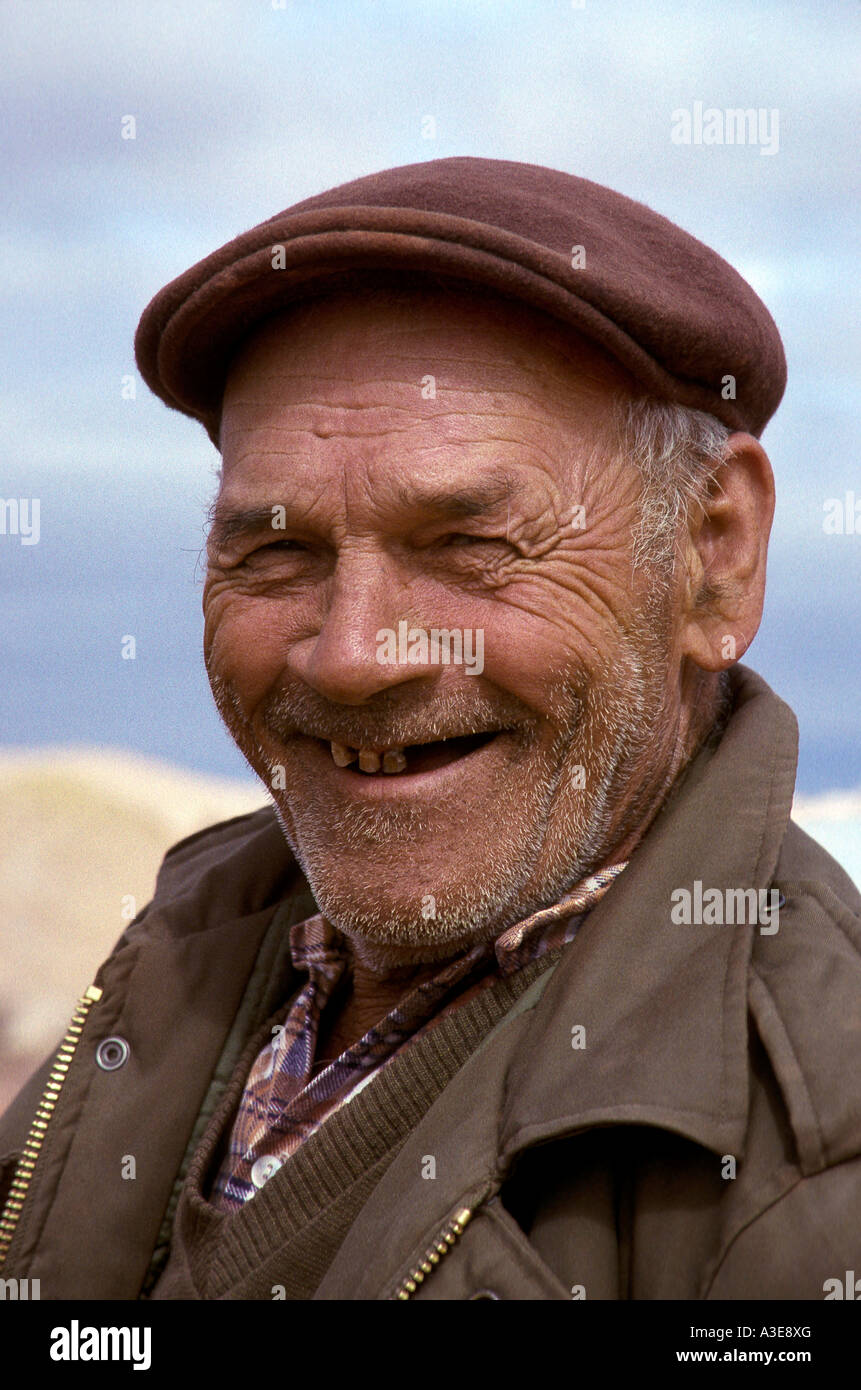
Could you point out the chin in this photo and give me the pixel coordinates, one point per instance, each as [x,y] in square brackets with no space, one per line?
[409,925]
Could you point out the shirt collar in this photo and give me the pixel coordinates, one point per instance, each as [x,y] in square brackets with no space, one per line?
[319,947]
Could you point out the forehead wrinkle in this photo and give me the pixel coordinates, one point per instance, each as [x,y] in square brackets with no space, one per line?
[380,418]
[517,355]
[230,519]
[263,387]
[548,439]
[437,457]
[478,411]
[503,397]
[266,385]
[270,398]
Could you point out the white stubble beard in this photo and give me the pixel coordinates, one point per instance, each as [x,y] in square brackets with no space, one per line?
[540,844]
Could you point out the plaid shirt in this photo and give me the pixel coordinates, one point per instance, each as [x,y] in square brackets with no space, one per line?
[283,1102]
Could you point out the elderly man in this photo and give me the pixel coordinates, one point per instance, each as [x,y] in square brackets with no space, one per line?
[526,986]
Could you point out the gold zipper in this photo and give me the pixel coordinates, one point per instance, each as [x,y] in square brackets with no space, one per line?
[39,1128]
[433,1255]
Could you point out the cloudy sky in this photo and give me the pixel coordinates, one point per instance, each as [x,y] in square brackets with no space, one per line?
[242,109]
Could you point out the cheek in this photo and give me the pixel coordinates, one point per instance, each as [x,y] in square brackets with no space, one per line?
[242,644]
[544,636]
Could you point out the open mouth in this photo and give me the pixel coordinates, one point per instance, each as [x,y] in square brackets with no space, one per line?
[411,757]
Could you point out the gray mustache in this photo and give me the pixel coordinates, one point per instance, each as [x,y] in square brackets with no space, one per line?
[288,714]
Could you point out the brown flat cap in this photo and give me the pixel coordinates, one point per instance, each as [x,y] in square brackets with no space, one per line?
[683,322]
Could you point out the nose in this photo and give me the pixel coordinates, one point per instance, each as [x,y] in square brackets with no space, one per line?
[341,661]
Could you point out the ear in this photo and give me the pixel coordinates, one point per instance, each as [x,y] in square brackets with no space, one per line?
[725,548]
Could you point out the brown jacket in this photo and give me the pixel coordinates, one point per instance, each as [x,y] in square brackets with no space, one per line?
[704,1141]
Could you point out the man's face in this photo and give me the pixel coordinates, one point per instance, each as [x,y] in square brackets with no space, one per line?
[435,462]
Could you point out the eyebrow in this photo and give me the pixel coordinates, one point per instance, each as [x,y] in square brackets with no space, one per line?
[461,502]
[227,524]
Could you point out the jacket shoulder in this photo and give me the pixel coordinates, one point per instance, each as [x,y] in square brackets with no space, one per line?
[803,858]
[805,996]
[226,871]
[195,852]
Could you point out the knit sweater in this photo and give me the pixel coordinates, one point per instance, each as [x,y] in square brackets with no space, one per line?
[281,1244]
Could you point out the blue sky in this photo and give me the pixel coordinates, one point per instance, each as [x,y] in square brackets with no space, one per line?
[242,109]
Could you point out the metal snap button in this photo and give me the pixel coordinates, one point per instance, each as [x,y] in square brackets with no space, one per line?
[264,1168]
[484,1293]
[767,909]
[112,1053]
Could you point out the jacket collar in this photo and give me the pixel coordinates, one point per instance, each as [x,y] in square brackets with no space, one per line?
[664,1006]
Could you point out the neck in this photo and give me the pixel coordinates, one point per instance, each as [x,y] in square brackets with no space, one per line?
[373,994]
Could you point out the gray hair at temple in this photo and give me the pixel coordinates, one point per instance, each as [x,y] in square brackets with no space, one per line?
[678,452]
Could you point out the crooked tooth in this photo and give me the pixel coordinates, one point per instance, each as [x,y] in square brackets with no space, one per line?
[343,755]
[369,761]
[394,760]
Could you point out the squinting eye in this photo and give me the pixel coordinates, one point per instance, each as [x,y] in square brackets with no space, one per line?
[460,538]
[283,545]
